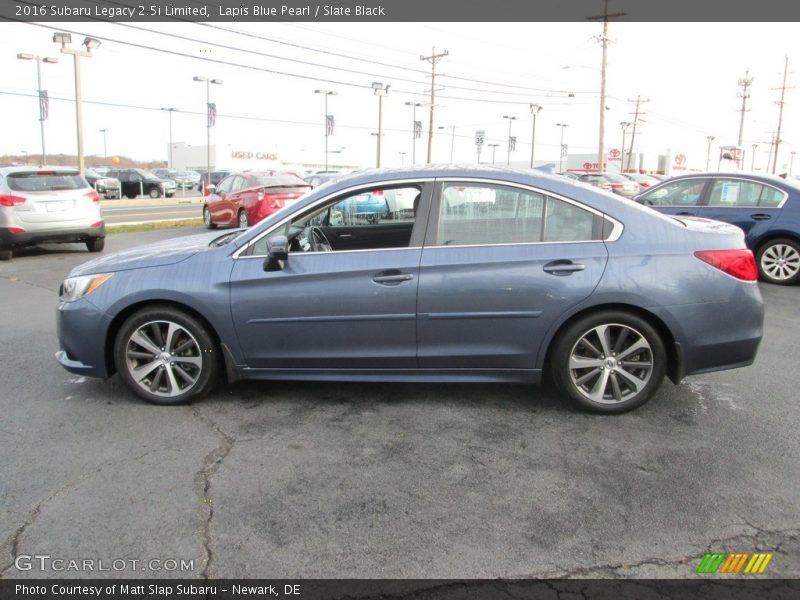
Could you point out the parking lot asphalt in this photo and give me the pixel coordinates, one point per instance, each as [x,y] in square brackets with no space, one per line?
[388,480]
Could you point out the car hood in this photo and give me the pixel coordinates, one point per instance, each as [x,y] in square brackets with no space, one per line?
[158,254]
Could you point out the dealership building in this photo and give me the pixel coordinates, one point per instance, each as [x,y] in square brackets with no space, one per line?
[233,158]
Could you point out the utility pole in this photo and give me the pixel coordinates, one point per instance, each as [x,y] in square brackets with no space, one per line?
[535,109]
[744,82]
[783,89]
[636,118]
[433,59]
[604,65]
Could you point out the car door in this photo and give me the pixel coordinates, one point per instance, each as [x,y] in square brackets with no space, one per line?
[751,205]
[679,197]
[233,199]
[217,202]
[342,309]
[500,264]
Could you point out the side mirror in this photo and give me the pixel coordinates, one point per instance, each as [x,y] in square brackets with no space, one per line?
[210,189]
[278,253]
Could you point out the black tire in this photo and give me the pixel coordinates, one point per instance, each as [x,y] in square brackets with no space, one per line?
[155,192]
[192,341]
[244,222]
[6,254]
[95,244]
[131,195]
[778,261]
[207,218]
[613,384]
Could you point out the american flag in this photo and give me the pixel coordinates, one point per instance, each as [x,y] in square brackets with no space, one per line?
[44,105]
[512,143]
[417,129]
[328,124]
[212,114]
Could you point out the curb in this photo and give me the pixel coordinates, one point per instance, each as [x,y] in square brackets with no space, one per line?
[142,202]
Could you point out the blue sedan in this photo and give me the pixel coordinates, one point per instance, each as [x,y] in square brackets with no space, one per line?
[766,208]
[492,275]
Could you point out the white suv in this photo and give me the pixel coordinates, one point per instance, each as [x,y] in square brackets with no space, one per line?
[48,204]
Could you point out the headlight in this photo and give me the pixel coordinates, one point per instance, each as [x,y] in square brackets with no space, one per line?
[78,287]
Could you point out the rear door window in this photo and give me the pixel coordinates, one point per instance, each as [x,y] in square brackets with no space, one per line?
[685,192]
[45,181]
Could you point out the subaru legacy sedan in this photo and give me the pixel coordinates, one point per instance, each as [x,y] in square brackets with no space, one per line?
[493,275]
[765,207]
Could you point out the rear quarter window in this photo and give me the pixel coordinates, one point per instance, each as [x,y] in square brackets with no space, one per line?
[45,181]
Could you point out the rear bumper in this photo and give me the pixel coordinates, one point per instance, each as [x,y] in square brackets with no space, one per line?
[79,234]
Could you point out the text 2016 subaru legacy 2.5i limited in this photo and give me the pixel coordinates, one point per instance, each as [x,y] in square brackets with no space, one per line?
[494,276]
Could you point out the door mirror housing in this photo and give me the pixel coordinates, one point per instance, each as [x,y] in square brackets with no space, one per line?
[278,253]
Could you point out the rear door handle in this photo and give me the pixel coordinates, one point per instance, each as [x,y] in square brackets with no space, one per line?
[760,217]
[392,278]
[563,267]
[684,214]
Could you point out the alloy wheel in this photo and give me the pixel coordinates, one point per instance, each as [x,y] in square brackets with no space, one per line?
[780,262]
[611,363]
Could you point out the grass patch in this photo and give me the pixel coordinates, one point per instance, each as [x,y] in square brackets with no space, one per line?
[154,225]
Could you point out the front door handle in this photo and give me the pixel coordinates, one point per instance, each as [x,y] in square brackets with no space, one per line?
[684,214]
[563,267]
[392,278]
[760,217]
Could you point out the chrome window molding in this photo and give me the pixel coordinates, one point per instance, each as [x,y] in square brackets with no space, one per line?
[616,232]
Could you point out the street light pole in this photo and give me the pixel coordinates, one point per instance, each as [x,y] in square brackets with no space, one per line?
[380,91]
[510,119]
[414,106]
[535,109]
[208,81]
[89,43]
[753,158]
[710,139]
[561,149]
[624,125]
[402,158]
[170,111]
[42,116]
[326,93]
[105,152]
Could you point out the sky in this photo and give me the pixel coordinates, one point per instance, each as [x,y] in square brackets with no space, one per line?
[688,71]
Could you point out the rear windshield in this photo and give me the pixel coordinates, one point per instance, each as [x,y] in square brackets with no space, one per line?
[278,179]
[46,181]
[615,178]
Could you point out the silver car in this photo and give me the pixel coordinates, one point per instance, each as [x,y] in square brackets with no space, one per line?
[48,204]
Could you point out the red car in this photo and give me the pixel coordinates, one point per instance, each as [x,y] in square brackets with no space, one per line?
[244,199]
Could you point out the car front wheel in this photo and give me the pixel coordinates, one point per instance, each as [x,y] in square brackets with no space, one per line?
[779,261]
[166,356]
[155,192]
[609,362]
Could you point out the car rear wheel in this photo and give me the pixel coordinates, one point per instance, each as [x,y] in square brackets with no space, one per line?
[155,192]
[96,244]
[243,221]
[166,356]
[609,362]
[6,254]
[779,261]
[131,195]
[207,218]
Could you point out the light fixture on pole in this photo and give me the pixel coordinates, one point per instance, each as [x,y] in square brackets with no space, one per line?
[104,131]
[211,118]
[563,148]
[494,149]
[510,119]
[624,125]
[402,158]
[791,162]
[414,106]
[710,139]
[170,111]
[90,44]
[753,158]
[328,120]
[43,98]
[452,138]
[25,154]
[380,91]
[535,110]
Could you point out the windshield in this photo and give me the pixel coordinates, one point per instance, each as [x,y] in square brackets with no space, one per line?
[45,181]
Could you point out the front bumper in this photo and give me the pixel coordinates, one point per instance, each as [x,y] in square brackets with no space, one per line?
[29,238]
[82,329]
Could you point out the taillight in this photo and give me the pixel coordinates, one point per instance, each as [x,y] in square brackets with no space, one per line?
[98,224]
[93,196]
[736,263]
[8,200]
[16,230]
[617,185]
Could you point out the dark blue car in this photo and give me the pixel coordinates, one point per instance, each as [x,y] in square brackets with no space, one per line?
[490,275]
[766,208]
